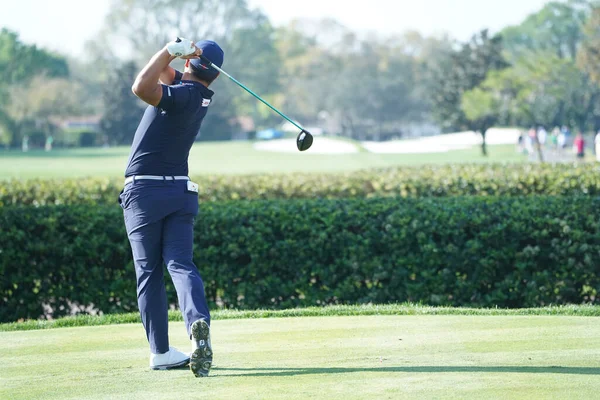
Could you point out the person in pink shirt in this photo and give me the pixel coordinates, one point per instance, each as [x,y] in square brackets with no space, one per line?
[579,145]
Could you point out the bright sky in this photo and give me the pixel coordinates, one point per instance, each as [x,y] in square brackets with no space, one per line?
[65,25]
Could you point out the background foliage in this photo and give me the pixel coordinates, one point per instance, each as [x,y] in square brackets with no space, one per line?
[540,72]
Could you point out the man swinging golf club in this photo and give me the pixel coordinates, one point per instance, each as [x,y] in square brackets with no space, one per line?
[160,202]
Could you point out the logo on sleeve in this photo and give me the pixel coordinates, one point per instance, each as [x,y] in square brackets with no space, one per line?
[205,102]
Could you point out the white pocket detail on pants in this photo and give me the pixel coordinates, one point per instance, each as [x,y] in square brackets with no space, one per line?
[192,187]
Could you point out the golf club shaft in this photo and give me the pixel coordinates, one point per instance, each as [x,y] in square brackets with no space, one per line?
[251,92]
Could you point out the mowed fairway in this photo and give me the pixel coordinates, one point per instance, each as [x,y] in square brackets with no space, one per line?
[228,158]
[363,357]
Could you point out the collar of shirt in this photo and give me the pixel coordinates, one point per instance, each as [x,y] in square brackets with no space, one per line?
[206,92]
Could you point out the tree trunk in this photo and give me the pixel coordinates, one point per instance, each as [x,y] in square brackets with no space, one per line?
[11,127]
[16,138]
[538,146]
[483,144]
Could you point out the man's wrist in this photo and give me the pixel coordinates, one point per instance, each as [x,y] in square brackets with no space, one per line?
[166,52]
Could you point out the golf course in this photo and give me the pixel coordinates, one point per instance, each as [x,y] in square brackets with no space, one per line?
[339,352]
[250,199]
[233,158]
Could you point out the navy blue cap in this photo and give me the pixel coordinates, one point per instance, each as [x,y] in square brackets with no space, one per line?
[214,53]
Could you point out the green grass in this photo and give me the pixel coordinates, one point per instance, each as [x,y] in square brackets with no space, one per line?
[328,311]
[353,357]
[228,158]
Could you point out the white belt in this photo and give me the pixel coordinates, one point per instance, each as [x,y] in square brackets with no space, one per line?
[155,178]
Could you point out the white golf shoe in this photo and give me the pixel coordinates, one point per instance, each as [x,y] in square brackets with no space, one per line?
[202,355]
[171,359]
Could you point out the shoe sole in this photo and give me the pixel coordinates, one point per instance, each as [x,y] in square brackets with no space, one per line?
[201,358]
[171,366]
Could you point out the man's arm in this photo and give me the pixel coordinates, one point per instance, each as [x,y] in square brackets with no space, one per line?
[169,75]
[146,85]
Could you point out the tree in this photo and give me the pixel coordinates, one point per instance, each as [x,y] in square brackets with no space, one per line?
[36,107]
[428,53]
[141,27]
[253,60]
[374,92]
[19,62]
[462,71]
[91,83]
[359,87]
[546,49]
[588,57]
[122,110]
[136,29]
[481,110]
[550,91]
[553,92]
[19,65]
[308,72]
[556,28]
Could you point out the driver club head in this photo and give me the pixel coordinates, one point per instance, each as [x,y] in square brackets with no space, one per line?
[304,140]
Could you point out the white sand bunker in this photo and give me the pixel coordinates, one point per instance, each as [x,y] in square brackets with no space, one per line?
[443,143]
[321,145]
[430,144]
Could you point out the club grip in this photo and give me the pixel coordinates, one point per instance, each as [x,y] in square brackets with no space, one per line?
[203,58]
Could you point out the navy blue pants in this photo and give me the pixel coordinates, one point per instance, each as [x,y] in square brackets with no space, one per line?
[159,218]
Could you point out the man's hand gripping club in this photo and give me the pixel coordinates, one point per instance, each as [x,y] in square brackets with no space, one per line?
[183,48]
[146,85]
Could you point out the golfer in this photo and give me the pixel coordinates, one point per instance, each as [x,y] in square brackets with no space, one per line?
[160,202]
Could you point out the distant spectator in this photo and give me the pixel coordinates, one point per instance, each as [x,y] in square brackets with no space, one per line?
[531,140]
[25,144]
[49,141]
[579,145]
[542,135]
[554,138]
[567,132]
[562,140]
[597,146]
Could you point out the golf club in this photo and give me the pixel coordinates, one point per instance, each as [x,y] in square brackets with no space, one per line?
[304,139]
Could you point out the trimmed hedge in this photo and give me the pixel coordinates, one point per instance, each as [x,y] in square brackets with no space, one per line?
[431,181]
[472,251]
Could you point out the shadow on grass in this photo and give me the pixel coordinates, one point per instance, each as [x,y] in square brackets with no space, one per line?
[425,369]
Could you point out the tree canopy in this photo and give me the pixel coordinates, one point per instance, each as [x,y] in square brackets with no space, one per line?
[30,78]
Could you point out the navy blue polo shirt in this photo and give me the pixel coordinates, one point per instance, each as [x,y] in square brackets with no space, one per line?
[166,133]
